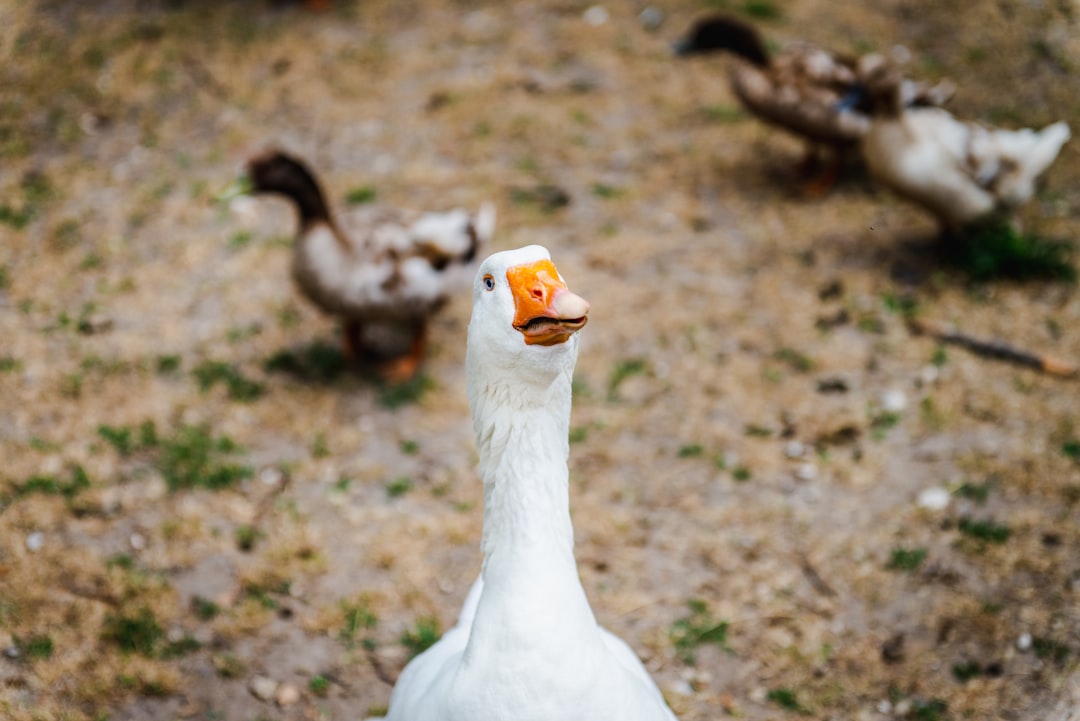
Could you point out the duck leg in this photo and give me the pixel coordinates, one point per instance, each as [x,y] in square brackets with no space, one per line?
[352,340]
[825,179]
[404,367]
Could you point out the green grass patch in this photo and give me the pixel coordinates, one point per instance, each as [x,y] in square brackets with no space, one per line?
[399,487]
[964,671]
[624,369]
[788,700]
[1050,650]
[409,448]
[139,633]
[795,360]
[741,473]
[997,250]
[319,361]
[932,710]
[699,628]
[578,434]
[319,686]
[357,618]
[988,530]
[245,537]
[977,492]
[761,10]
[194,458]
[1071,449]
[905,559]
[240,388]
[421,636]
[36,648]
[168,364]
[395,395]
[76,482]
[607,192]
[691,450]
[204,609]
[361,195]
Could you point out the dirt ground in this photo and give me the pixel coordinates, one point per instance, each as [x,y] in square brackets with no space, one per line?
[784,500]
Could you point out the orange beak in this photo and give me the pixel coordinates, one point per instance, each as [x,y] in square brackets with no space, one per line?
[546,312]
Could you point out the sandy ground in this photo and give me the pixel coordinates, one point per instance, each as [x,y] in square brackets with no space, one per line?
[753,422]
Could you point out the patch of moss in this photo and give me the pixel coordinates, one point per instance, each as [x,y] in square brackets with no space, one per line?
[997,250]
[689,633]
[422,636]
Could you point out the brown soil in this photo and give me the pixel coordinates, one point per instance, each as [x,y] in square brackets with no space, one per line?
[731,318]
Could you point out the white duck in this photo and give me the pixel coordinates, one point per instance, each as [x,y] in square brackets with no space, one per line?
[527,646]
[382,270]
[961,172]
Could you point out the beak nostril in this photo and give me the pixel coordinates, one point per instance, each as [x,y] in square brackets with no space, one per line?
[537,292]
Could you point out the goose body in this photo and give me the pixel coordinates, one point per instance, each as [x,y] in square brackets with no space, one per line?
[527,646]
[961,172]
[382,270]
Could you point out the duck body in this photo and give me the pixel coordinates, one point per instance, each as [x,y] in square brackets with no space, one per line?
[527,646]
[383,271]
[808,91]
[961,172]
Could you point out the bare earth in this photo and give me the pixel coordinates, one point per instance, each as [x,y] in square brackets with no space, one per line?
[754,423]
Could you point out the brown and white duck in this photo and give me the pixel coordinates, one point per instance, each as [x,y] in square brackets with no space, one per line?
[383,271]
[812,93]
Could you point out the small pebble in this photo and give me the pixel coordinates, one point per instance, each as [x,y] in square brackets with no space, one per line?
[35,541]
[137,541]
[893,401]
[263,688]
[759,694]
[596,16]
[682,687]
[287,694]
[651,18]
[1023,643]
[936,499]
[270,475]
[929,374]
[884,707]
[902,708]
[806,472]
[794,449]
[12,651]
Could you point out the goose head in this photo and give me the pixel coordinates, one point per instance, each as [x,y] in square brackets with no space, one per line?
[524,321]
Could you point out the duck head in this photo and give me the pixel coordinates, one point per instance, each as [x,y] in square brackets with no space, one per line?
[274,171]
[720,32]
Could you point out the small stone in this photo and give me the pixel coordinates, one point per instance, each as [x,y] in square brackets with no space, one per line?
[175,635]
[794,449]
[806,472]
[271,475]
[1023,643]
[263,688]
[935,499]
[759,694]
[884,707]
[12,651]
[902,708]
[137,541]
[287,694]
[682,687]
[929,374]
[651,18]
[245,209]
[893,401]
[596,16]
[35,541]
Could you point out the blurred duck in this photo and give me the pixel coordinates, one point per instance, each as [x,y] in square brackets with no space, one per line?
[383,271]
[808,91]
[961,172]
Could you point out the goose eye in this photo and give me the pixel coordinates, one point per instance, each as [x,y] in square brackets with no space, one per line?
[489,282]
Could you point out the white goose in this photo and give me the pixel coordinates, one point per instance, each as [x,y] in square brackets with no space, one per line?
[527,646]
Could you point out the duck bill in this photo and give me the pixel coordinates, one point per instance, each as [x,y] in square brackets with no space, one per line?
[545,311]
[242,185]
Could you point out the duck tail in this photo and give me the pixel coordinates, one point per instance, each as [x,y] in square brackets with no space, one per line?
[484,222]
